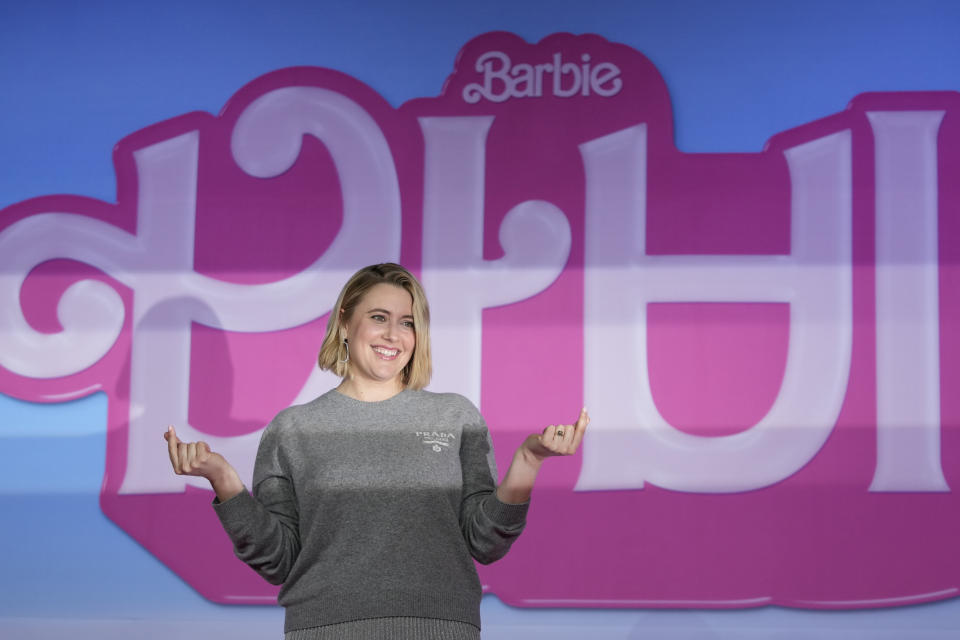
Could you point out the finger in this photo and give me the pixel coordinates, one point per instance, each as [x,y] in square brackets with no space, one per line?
[562,435]
[188,456]
[203,451]
[563,439]
[549,439]
[172,442]
[583,419]
[581,429]
[567,443]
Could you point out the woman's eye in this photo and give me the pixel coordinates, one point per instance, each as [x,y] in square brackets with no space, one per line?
[408,324]
[378,317]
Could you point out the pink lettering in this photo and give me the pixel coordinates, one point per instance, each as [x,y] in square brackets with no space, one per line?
[502,79]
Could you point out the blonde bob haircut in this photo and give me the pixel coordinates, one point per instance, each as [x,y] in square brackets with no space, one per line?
[416,375]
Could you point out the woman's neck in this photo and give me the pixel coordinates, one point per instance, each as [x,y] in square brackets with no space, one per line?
[367,391]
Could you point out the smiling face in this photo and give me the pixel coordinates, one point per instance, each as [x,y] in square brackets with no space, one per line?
[382,338]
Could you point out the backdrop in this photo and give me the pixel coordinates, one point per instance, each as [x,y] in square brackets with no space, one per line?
[555,196]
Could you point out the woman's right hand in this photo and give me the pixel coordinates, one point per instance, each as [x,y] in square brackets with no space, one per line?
[196,459]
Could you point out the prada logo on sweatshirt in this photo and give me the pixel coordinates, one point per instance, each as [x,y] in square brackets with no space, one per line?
[438,439]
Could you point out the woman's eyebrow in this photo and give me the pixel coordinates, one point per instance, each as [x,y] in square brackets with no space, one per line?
[386,312]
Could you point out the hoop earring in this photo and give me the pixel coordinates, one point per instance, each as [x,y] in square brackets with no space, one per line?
[347,347]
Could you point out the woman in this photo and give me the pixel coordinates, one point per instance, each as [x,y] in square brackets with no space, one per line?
[369,501]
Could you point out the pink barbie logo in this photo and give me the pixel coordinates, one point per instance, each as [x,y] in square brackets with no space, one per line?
[503,80]
[766,342]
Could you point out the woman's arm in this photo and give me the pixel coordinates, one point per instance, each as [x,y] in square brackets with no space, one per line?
[556,440]
[263,527]
[493,517]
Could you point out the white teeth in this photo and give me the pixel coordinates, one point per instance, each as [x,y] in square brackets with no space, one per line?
[386,352]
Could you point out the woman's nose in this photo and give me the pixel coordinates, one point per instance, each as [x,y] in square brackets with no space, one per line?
[389,331]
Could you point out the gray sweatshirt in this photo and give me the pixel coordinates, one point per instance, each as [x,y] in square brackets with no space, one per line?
[374,509]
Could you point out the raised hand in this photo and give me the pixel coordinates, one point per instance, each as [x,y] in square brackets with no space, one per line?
[559,439]
[556,440]
[196,459]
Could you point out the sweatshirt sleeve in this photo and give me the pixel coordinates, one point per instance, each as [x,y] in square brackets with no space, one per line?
[264,527]
[489,526]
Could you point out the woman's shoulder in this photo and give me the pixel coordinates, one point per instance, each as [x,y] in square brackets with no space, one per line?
[294,415]
[444,401]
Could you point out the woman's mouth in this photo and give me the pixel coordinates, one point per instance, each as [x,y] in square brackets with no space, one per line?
[385,353]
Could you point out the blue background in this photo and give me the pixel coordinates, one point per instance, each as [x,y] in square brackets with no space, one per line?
[76,77]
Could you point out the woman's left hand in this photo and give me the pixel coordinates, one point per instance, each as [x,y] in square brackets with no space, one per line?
[558,439]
